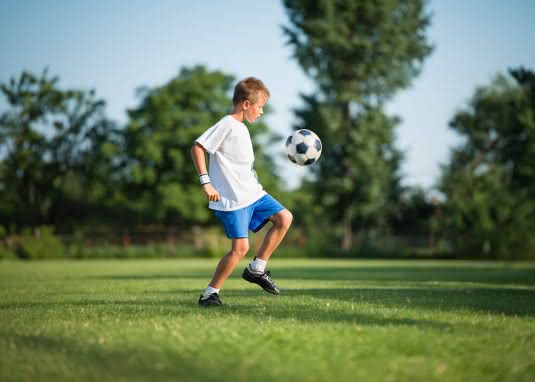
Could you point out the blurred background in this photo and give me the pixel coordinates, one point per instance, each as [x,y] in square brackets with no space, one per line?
[426,110]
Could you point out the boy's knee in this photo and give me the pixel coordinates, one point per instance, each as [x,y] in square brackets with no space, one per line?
[241,249]
[285,219]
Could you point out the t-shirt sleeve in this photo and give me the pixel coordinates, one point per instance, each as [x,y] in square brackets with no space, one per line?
[212,138]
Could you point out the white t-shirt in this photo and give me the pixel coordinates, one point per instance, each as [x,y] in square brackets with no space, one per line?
[231,167]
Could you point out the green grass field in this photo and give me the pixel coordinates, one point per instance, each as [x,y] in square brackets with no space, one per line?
[336,320]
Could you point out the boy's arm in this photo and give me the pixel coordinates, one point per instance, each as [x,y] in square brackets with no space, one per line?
[199,160]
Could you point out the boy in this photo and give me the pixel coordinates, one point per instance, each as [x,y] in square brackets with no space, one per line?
[234,192]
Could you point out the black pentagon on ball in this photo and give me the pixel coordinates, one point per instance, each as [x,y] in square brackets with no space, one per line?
[291,158]
[289,140]
[317,144]
[310,161]
[301,148]
[304,132]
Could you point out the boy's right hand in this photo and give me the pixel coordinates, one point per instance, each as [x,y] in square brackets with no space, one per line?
[211,192]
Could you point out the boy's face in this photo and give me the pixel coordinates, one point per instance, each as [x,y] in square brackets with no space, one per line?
[254,110]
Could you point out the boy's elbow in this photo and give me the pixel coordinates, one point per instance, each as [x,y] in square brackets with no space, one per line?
[197,149]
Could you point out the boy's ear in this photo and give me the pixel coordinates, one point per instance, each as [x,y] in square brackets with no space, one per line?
[246,104]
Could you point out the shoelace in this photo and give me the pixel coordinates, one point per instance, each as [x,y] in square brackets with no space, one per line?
[266,276]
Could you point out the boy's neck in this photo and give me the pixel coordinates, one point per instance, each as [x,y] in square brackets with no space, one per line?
[237,114]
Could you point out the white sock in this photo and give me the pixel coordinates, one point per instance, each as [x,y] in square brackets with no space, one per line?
[209,290]
[258,265]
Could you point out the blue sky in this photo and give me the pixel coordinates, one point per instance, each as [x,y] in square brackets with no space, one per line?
[115,46]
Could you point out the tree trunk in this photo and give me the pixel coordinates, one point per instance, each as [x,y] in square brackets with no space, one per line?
[170,241]
[126,238]
[196,234]
[347,240]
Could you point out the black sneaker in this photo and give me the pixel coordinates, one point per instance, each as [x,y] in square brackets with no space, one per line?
[262,279]
[211,300]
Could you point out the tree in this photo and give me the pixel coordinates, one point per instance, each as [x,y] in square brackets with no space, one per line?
[489,183]
[359,53]
[56,144]
[160,179]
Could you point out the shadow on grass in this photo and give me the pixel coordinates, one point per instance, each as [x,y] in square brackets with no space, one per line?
[87,361]
[504,301]
[500,301]
[315,304]
[458,273]
[251,308]
[354,272]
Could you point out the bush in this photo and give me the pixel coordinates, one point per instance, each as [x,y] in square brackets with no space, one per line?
[131,252]
[214,243]
[6,254]
[44,245]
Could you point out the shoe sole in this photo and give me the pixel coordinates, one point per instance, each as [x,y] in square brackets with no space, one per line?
[210,304]
[270,291]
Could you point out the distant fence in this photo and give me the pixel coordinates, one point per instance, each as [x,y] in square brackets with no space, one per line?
[199,237]
[156,241]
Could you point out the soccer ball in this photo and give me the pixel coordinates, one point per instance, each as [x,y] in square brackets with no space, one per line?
[303,147]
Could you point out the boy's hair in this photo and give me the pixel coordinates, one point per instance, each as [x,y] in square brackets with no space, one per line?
[249,89]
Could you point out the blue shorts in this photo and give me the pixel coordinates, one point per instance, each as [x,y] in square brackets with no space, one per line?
[237,223]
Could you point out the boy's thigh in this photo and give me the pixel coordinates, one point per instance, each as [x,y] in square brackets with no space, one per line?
[235,223]
[264,208]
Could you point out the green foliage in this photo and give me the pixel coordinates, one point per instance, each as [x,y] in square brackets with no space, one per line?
[40,244]
[359,50]
[149,251]
[6,254]
[57,145]
[213,242]
[358,173]
[359,53]
[489,183]
[415,213]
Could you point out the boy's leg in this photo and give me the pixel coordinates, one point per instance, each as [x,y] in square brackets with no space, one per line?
[226,265]
[255,272]
[228,262]
[236,227]
[281,222]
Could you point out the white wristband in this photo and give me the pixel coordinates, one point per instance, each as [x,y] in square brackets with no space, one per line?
[204,178]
